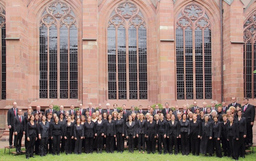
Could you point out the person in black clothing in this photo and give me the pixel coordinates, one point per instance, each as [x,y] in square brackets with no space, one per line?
[51,121]
[99,133]
[241,121]
[173,131]
[110,134]
[130,130]
[224,132]
[12,113]
[216,130]
[184,132]
[206,135]
[141,125]
[249,114]
[63,122]
[32,132]
[233,137]
[56,133]
[78,135]
[69,135]
[18,130]
[161,134]
[37,142]
[120,123]
[195,134]
[43,136]
[50,110]
[89,134]
[151,135]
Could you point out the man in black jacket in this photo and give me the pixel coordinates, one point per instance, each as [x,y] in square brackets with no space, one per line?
[166,109]
[50,110]
[234,103]
[249,114]
[18,130]
[12,113]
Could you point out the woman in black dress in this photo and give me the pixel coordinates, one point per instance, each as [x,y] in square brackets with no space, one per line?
[141,125]
[69,135]
[32,132]
[89,134]
[195,134]
[78,136]
[151,135]
[172,132]
[44,127]
[224,132]
[206,136]
[120,133]
[184,132]
[216,129]
[130,133]
[99,133]
[241,121]
[233,137]
[110,135]
[57,132]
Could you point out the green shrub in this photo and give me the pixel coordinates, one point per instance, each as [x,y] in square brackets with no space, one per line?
[56,107]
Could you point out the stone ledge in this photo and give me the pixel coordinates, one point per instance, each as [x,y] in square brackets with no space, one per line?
[166,40]
[89,39]
[12,38]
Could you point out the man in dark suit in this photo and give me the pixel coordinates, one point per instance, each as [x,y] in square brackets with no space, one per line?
[234,103]
[132,110]
[100,109]
[50,110]
[166,109]
[224,107]
[81,110]
[72,110]
[156,110]
[195,107]
[115,107]
[141,110]
[12,113]
[249,114]
[108,110]
[90,109]
[125,111]
[19,122]
[37,111]
[61,111]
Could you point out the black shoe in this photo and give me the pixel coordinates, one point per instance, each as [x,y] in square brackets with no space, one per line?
[10,146]
[27,157]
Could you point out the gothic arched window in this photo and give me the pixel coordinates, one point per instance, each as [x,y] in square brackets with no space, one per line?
[250,56]
[58,52]
[193,54]
[127,53]
[3,52]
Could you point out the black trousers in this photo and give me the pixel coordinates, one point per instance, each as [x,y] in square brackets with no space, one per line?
[249,133]
[43,146]
[184,143]
[210,146]
[17,141]
[151,144]
[37,144]
[120,142]
[88,145]
[11,136]
[225,146]
[68,145]
[204,144]
[131,143]
[30,146]
[241,145]
[78,145]
[62,149]
[173,143]
[141,142]
[217,147]
[233,148]
[50,145]
[194,143]
[161,141]
[56,144]
[99,142]
[110,144]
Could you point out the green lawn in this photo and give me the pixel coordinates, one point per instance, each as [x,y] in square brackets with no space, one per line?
[117,156]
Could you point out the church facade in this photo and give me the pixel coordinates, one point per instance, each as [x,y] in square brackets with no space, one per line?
[137,52]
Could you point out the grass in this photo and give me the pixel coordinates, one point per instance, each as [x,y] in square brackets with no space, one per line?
[126,156]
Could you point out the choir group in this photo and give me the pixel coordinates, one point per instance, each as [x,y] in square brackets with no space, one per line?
[222,130]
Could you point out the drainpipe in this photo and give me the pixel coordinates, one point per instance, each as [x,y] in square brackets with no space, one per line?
[221,43]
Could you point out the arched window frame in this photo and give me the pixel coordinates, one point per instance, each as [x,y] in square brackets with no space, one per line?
[127,61]
[58,69]
[249,51]
[194,72]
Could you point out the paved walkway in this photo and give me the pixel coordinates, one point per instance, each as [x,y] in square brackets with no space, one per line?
[5,143]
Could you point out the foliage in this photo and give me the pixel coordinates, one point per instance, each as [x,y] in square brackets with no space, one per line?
[56,107]
[254,71]
[136,108]
[159,105]
[76,109]
[217,105]
[119,108]
[173,108]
